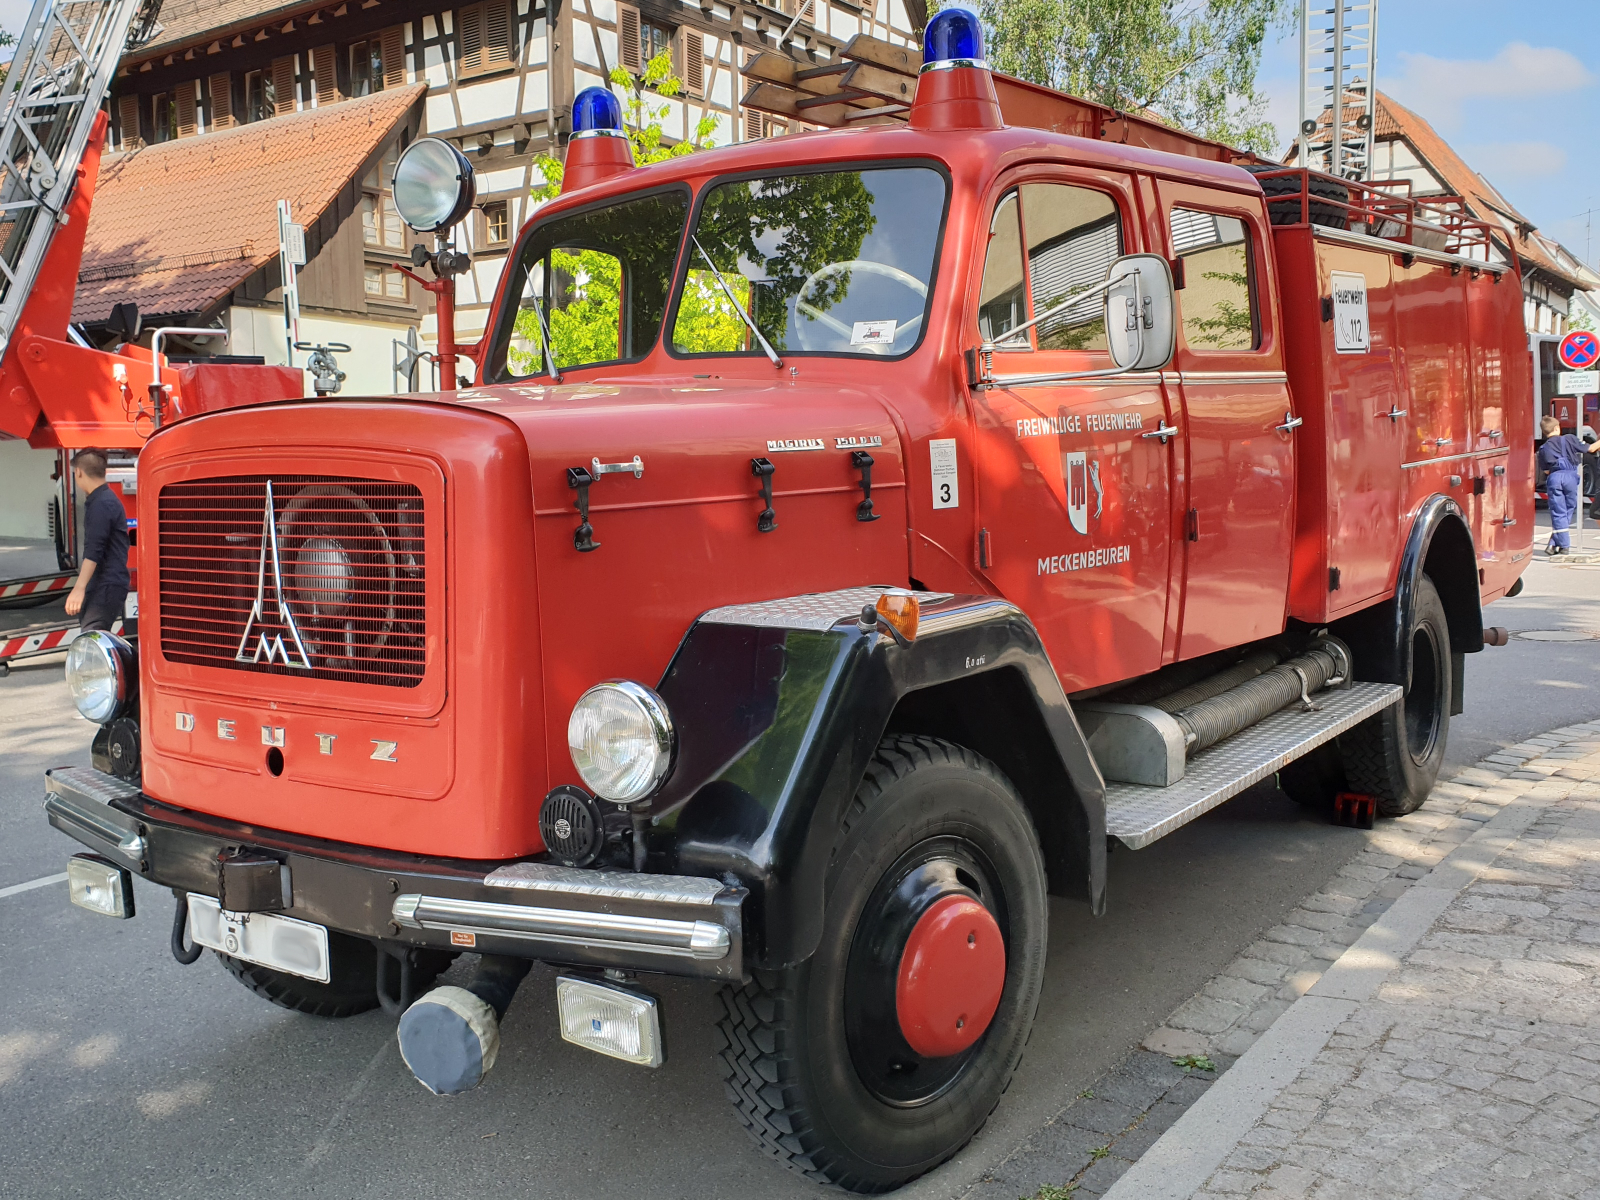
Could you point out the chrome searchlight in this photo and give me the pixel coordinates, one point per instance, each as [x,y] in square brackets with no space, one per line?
[433,185]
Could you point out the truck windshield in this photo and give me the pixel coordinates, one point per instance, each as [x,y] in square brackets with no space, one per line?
[597,280]
[835,262]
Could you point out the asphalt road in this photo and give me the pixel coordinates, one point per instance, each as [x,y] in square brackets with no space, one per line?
[125,1074]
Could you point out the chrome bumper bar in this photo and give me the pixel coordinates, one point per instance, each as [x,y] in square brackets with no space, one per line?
[78,803]
[628,934]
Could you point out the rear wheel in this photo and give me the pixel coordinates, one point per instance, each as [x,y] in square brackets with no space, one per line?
[352,978]
[1396,755]
[881,1056]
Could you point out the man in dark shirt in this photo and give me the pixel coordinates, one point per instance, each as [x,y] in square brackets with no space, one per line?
[102,588]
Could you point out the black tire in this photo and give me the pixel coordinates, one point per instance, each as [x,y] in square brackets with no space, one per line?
[352,985]
[1323,189]
[1396,755]
[1315,779]
[796,1064]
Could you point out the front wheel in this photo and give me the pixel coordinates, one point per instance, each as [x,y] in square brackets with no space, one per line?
[1396,755]
[879,1057]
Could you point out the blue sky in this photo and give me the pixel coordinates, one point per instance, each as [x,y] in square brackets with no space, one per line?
[1513,87]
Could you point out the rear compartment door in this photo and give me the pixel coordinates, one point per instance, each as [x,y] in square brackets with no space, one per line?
[1240,460]
[1074,499]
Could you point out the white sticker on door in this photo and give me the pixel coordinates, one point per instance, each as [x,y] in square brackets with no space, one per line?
[1351,334]
[942,463]
[872,333]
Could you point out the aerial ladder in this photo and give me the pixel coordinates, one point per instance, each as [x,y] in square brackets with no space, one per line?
[56,390]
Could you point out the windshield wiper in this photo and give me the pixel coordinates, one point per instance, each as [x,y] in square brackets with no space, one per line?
[544,343]
[734,300]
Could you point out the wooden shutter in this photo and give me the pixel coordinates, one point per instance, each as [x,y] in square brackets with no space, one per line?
[499,49]
[128,118]
[394,56]
[630,50]
[186,106]
[807,10]
[326,75]
[283,85]
[221,87]
[692,51]
[753,131]
[469,39]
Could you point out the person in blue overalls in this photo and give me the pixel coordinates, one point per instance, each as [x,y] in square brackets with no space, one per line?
[1562,456]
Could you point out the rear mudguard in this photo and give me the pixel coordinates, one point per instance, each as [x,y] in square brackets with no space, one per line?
[779,708]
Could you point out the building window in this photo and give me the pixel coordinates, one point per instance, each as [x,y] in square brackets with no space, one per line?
[484,38]
[386,283]
[164,116]
[654,39]
[496,223]
[366,68]
[260,99]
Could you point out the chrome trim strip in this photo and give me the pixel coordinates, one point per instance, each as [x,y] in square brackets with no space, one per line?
[596,930]
[1328,234]
[948,64]
[1233,377]
[95,824]
[608,885]
[1492,452]
[590,133]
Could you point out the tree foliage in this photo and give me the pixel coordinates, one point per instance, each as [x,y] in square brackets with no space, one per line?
[1191,63]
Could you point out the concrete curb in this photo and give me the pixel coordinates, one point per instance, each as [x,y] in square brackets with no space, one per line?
[1183,1158]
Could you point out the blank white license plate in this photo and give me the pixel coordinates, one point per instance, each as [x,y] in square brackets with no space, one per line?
[283,943]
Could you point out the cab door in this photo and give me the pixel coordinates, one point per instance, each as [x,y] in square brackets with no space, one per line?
[1237,428]
[1074,481]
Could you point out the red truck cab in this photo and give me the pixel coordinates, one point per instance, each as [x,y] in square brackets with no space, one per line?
[849,534]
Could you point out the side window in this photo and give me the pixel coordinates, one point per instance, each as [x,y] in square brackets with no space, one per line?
[1073,235]
[1217,304]
[1047,242]
[1000,300]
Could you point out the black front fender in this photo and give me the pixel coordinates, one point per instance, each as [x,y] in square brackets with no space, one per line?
[779,708]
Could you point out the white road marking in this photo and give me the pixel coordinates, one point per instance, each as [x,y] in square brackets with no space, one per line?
[46,881]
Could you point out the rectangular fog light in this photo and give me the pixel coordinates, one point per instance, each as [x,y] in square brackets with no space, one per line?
[610,1020]
[100,886]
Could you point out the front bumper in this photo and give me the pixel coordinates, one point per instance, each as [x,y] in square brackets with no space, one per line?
[675,924]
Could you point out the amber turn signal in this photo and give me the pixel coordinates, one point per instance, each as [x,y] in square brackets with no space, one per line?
[901,612]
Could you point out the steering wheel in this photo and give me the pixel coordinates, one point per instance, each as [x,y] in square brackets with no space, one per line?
[868,267]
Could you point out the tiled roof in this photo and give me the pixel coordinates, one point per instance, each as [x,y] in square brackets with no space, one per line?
[1482,198]
[185,20]
[177,226]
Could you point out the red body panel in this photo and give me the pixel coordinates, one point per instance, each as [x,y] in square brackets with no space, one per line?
[1083,522]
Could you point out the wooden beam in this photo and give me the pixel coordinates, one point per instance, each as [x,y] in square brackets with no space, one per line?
[770,98]
[907,60]
[875,81]
[772,68]
[853,99]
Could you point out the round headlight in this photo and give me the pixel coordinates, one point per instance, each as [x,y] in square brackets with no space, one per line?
[620,736]
[100,675]
[433,185]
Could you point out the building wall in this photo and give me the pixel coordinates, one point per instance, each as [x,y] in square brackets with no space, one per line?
[504,108]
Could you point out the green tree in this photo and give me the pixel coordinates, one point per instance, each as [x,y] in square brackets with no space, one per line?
[1190,63]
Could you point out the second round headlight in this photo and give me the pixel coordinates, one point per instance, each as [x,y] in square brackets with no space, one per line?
[620,736]
[100,675]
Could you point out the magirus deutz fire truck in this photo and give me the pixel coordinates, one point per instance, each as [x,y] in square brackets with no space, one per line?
[848,537]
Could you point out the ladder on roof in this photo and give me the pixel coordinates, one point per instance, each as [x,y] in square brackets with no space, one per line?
[1338,88]
[62,69]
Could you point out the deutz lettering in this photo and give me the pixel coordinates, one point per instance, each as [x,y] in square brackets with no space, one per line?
[1106,556]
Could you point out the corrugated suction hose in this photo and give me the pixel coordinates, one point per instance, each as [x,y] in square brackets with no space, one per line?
[1209,721]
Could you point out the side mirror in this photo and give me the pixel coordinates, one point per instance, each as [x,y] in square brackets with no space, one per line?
[1139,312]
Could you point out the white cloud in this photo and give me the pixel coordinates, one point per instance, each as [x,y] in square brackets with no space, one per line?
[1518,72]
[1506,161]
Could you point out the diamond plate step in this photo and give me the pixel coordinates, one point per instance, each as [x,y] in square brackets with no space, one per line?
[1137,815]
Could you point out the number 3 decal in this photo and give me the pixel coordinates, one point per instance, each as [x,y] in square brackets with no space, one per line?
[942,468]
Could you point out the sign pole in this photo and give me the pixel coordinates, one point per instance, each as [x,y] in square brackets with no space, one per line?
[1579,352]
[291,255]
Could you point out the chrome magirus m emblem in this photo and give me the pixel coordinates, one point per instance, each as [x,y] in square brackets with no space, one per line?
[271,649]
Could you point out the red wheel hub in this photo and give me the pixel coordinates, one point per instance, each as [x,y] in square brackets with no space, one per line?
[952,972]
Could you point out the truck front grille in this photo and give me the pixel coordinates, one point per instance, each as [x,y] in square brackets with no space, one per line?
[314,575]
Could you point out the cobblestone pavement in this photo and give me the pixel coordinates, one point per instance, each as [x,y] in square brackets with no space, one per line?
[1431,1088]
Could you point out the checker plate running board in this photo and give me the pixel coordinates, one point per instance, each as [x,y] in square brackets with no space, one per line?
[1137,815]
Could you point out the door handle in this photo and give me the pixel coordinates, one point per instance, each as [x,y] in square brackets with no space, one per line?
[1394,414]
[1164,431]
[1290,421]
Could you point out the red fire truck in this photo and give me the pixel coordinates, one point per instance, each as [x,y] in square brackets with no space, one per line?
[850,534]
